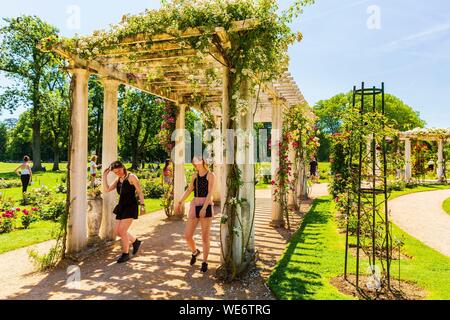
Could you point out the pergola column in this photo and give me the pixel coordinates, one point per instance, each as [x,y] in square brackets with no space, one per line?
[109,153]
[292,201]
[277,215]
[77,231]
[243,233]
[440,164]
[218,162]
[225,234]
[408,173]
[180,154]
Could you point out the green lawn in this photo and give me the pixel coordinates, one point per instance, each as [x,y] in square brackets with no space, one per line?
[324,171]
[38,232]
[316,254]
[446,205]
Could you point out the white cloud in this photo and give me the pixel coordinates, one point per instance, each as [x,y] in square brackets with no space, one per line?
[416,38]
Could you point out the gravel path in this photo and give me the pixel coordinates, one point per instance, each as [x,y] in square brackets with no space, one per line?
[422,216]
[160,271]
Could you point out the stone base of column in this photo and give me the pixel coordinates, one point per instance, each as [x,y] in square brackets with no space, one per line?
[89,251]
[277,223]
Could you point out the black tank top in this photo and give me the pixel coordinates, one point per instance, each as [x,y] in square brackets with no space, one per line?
[127,192]
[201,186]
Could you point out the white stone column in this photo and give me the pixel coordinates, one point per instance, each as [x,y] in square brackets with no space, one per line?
[292,199]
[218,162]
[226,158]
[440,164]
[408,172]
[77,232]
[247,167]
[109,154]
[277,215]
[180,154]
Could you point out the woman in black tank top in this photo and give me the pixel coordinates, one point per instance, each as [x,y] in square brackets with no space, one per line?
[201,210]
[127,210]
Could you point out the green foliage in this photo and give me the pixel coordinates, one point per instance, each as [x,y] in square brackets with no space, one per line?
[6,184]
[397,185]
[153,189]
[27,218]
[330,113]
[32,71]
[53,211]
[3,140]
[446,205]
[140,116]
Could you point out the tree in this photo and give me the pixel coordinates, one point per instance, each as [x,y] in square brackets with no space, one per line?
[3,140]
[96,97]
[55,126]
[330,112]
[140,118]
[30,68]
[20,138]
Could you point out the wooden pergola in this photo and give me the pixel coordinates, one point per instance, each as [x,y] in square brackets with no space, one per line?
[439,135]
[165,69]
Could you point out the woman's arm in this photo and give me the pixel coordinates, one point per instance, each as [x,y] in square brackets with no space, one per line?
[189,189]
[31,172]
[186,194]
[209,197]
[17,170]
[106,187]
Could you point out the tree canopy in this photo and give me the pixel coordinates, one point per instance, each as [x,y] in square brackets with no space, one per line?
[330,113]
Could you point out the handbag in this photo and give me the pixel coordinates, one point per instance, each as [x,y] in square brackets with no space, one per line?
[209,212]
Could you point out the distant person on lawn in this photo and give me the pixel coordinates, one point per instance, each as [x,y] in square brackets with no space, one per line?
[93,170]
[25,173]
[168,172]
[127,185]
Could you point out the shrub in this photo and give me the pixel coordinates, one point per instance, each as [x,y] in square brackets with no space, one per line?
[61,188]
[37,196]
[6,204]
[7,221]
[153,190]
[396,186]
[6,184]
[53,211]
[28,217]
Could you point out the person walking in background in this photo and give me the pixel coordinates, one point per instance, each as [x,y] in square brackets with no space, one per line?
[168,172]
[201,210]
[127,185]
[313,169]
[26,175]
[93,170]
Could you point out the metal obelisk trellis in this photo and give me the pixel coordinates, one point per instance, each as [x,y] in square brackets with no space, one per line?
[369,179]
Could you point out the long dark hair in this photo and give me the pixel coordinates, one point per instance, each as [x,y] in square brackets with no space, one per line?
[118,165]
[167,164]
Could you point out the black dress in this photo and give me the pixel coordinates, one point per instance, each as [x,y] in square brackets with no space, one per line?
[128,207]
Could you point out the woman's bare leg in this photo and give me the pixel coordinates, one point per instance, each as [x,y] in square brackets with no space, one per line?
[123,233]
[189,231]
[206,232]
[131,238]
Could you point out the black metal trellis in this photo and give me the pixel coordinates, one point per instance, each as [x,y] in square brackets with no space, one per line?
[369,182]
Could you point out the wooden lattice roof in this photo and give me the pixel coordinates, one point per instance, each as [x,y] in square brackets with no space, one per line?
[163,66]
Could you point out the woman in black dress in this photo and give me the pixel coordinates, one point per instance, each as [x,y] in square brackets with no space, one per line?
[127,185]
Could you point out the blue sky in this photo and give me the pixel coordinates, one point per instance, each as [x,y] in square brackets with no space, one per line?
[405,43]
